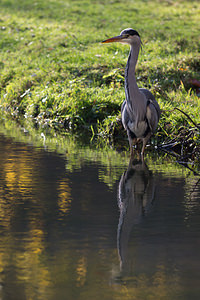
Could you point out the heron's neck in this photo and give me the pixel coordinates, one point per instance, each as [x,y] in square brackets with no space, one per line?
[131,87]
[130,80]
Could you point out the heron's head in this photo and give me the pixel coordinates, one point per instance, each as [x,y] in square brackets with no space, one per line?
[127,36]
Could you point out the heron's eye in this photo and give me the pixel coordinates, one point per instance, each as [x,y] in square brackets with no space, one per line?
[125,35]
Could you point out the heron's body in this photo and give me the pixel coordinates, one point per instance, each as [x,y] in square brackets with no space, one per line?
[140,111]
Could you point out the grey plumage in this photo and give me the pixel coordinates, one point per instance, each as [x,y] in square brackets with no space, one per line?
[140,111]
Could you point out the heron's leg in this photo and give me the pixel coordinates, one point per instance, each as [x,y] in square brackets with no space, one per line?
[138,141]
[132,142]
[144,140]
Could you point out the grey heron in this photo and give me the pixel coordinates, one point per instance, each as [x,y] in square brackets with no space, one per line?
[140,111]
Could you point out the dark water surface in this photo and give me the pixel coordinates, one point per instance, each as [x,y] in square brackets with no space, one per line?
[95,230]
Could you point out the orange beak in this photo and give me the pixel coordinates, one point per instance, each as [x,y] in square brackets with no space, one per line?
[113,39]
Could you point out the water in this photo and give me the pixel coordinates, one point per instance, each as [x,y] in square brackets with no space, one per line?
[90,225]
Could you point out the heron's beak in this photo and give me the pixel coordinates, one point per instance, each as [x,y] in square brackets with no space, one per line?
[117,38]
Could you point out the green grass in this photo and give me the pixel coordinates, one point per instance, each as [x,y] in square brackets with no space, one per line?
[55,70]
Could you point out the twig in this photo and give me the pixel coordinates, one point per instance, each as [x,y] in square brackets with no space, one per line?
[176,108]
[195,124]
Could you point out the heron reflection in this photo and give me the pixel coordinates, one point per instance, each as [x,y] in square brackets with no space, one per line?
[135,198]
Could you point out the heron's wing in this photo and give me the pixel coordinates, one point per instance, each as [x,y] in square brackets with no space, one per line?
[153,109]
[152,116]
[150,97]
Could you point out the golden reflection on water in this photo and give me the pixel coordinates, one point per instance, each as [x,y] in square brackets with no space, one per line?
[32,271]
[20,178]
[81,271]
[10,174]
[64,196]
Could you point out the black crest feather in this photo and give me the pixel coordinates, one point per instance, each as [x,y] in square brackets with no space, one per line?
[130,31]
